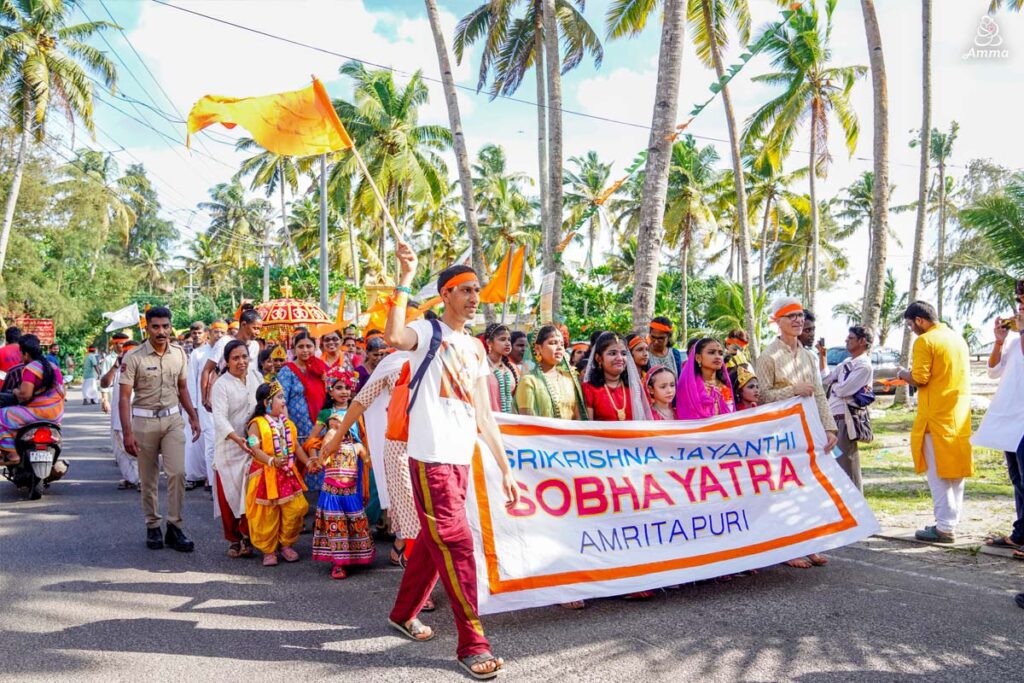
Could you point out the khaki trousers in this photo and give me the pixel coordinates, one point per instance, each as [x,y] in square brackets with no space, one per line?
[158,436]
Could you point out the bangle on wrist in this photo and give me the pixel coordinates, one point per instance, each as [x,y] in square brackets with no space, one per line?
[403,289]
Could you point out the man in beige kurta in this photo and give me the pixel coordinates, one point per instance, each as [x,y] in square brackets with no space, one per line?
[786,369]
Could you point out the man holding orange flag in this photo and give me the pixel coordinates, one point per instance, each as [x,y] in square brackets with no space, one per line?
[449,403]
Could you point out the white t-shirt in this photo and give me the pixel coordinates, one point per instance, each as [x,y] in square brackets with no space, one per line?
[1003,425]
[442,422]
[115,401]
[217,356]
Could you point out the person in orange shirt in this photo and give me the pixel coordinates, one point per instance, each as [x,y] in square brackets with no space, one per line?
[941,437]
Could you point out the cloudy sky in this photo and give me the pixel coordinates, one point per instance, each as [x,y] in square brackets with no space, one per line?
[191,56]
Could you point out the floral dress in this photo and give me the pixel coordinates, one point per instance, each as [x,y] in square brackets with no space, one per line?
[342,532]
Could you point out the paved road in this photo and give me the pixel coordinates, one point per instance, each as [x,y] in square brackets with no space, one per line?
[81,598]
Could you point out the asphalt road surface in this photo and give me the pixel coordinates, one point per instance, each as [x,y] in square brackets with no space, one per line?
[81,598]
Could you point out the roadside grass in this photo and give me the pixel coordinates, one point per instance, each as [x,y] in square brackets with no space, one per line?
[892,487]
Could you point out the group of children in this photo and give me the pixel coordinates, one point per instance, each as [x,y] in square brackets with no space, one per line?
[276,505]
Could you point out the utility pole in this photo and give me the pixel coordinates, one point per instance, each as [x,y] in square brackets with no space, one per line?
[191,270]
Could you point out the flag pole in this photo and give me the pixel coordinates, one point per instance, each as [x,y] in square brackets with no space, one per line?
[508,276]
[323,231]
[522,284]
[376,191]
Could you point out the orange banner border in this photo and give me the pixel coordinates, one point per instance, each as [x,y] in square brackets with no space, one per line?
[498,585]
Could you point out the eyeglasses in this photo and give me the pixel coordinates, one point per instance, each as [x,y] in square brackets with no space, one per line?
[793,317]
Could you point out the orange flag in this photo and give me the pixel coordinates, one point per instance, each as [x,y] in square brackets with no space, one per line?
[504,283]
[339,320]
[378,313]
[297,123]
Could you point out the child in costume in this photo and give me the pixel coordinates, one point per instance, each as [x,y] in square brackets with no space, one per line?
[342,531]
[274,503]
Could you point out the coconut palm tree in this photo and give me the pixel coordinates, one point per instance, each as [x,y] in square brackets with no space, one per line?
[585,191]
[709,25]
[924,143]
[91,171]
[403,156]
[801,54]
[240,227]
[990,261]
[512,44]
[891,316]
[1012,5]
[728,311]
[629,18]
[857,207]
[208,257]
[461,154]
[873,283]
[507,214]
[792,256]
[45,65]
[770,194]
[940,149]
[692,179]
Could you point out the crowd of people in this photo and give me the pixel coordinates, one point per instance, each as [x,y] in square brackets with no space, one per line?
[307,427]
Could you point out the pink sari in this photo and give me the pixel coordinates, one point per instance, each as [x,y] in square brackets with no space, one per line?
[694,401]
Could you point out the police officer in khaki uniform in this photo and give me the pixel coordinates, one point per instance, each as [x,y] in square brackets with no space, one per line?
[156,372]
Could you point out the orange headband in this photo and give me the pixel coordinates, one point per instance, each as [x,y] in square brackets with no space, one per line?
[460,279]
[787,310]
[582,345]
[661,327]
[636,341]
[738,342]
[218,325]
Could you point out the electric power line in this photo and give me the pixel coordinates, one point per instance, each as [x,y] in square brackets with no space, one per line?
[466,88]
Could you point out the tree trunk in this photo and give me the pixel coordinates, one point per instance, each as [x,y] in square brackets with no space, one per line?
[659,150]
[812,293]
[738,180]
[542,124]
[940,265]
[12,194]
[352,244]
[684,259]
[764,248]
[553,261]
[922,180]
[461,154]
[879,230]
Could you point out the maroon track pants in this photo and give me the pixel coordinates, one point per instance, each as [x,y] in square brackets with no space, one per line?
[443,548]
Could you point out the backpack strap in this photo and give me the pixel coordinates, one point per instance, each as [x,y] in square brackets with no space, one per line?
[421,371]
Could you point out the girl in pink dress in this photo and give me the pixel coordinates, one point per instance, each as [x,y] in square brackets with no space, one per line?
[661,390]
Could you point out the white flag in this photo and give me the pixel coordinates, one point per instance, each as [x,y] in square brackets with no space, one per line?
[124,317]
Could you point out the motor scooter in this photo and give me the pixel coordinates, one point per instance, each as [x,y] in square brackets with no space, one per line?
[38,444]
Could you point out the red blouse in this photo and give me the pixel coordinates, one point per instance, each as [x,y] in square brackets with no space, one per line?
[604,407]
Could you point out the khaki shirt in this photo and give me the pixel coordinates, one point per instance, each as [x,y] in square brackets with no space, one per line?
[779,368]
[154,377]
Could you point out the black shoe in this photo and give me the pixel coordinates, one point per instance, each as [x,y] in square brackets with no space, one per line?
[153,540]
[176,538]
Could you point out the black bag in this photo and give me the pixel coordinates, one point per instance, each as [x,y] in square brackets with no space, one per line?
[863,432]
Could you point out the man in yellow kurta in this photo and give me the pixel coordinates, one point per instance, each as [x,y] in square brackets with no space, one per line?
[941,437]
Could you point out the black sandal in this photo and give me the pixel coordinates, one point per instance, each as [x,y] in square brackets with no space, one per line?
[467,663]
[1001,542]
[400,552]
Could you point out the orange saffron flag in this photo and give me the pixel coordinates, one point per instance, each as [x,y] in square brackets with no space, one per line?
[297,123]
[504,283]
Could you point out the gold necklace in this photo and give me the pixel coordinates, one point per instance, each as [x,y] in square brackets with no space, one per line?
[620,412]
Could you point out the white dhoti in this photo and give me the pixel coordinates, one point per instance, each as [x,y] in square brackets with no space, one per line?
[90,390]
[128,465]
[195,456]
[208,442]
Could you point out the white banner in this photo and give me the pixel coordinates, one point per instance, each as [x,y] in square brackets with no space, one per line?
[612,508]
